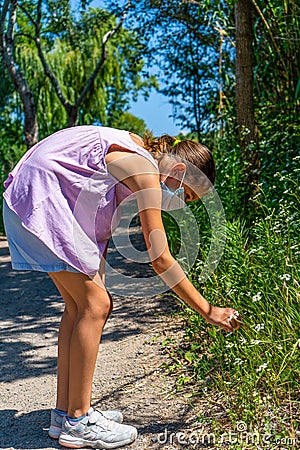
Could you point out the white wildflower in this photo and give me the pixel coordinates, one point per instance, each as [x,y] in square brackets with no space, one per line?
[257,297]
[254,250]
[243,341]
[255,341]
[229,345]
[259,327]
[238,362]
[262,367]
[285,277]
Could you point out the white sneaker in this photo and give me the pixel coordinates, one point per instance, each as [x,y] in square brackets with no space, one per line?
[96,431]
[57,420]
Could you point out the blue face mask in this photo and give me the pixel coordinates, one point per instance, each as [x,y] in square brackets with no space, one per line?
[172,200]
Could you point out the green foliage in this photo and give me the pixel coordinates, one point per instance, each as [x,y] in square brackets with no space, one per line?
[259,278]
[72,48]
[279,151]
[173,234]
[127,121]
[257,368]
[277,34]
[11,149]
[11,142]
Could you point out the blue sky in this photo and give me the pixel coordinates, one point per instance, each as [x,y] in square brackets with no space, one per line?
[155,111]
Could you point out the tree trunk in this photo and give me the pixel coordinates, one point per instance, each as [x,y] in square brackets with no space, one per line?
[31,129]
[244,94]
[30,119]
[16,75]
[73,115]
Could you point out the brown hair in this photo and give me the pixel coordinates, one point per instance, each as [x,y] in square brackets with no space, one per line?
[193,152]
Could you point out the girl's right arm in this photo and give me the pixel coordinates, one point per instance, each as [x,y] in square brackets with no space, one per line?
[170,271]
[142,179]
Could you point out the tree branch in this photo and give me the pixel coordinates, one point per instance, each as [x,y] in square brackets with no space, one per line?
[47,70]
[39,13]
[103,57]
[27,13]
[11,21]
[28,36]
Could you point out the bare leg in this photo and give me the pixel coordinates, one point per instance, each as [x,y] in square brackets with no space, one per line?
[64,338]
[88,307]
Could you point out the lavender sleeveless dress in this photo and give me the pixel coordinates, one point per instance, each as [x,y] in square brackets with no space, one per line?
[60,202]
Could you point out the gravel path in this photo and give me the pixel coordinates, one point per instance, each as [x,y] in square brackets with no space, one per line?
[128,375]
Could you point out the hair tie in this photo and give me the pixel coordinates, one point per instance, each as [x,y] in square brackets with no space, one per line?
[176,142]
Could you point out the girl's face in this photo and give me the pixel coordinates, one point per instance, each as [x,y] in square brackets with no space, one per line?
[191,195]
[175,174]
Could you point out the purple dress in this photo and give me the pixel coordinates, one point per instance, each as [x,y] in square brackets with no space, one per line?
[64,195]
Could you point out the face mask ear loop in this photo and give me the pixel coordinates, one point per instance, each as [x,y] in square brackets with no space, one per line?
[181,183]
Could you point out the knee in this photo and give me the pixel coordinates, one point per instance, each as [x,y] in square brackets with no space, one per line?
[98,309]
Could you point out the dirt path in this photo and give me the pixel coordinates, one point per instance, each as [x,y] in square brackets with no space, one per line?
[128,375]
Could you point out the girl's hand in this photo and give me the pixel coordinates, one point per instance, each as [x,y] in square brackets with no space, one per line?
[226,318]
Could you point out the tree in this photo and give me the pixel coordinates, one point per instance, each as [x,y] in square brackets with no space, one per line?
[189,43]
[8,16]
[10,125]
[88,62]
[71,108]
[73,57]
[244,92]
[127,121]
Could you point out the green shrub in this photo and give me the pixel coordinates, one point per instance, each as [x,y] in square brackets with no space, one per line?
[258,367]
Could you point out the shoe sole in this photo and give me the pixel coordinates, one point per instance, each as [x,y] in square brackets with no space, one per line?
[82,443]
[54,432]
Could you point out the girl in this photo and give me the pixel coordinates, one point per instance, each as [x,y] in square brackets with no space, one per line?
[59,206]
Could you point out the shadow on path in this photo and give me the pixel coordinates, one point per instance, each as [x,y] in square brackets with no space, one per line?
[30,311]
[38,422]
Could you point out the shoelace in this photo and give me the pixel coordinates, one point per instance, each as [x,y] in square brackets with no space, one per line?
[97,418]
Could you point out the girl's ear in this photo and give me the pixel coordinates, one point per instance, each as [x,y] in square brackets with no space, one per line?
[176,176]
[177,170]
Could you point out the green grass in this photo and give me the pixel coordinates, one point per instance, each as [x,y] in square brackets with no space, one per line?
[257,369]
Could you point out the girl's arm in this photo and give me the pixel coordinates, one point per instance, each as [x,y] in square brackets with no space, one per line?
[142,178]
[172,274]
